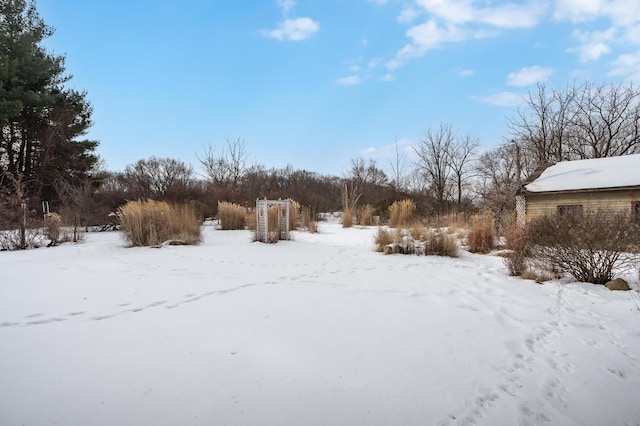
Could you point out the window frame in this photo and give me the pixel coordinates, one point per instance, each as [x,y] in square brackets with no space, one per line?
[564,210]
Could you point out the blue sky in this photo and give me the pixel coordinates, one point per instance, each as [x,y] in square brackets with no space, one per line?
[315,83]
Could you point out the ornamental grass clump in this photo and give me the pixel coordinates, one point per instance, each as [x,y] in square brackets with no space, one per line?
[480,238]
[151,223]
[366,215]
[401,213]
[439,243]
[308,220]
[232,216]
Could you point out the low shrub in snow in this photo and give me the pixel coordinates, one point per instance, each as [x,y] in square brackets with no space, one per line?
[52,227]
[231,216]
[150,223]
[518,243]
[19,239]
[587,246]
[480,238]
[430,242]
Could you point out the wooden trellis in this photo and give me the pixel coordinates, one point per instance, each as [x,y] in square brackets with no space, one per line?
[521,210]
[280,230]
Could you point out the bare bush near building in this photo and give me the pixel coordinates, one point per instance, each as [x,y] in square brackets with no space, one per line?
[517,261]
[480,238]
[588,246]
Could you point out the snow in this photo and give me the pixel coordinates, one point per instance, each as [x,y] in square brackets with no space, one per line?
[321,330]
[589,174]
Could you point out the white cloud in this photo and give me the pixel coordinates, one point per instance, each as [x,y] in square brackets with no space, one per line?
[623,13]
[466,73]
[350,80]
[387,77]
[627,65]
[385,154]
[529,75]
[507,99]
[508,15]
[577,10]
[408,14]
[294,30]
[460,20]
[378,1]
[594,44]
[286,5]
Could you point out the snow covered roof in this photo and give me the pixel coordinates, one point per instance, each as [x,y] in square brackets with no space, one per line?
[597,173]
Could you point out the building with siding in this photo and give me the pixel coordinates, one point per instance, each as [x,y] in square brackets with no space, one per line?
[575,186]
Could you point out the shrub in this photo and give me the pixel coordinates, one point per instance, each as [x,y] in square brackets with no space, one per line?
[18,239]
[150,223]
[52,226]
[438,243]
[518,243]
[366,215]
[587,246]
[231,216]
[383,239]
[434,243]
[480,237]
[401,213]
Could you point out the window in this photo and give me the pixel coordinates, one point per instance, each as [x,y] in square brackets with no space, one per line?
[635,209]
[569,210]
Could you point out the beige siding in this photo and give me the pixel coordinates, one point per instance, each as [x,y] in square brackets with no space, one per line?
[541,204]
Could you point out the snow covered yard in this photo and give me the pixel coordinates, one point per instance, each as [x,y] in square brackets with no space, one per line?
[316,331]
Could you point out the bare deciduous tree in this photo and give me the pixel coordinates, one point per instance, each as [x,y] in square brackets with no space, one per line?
[460,158]
[433,162]
[578,122]
[226,167]
[607,121]
[155,177]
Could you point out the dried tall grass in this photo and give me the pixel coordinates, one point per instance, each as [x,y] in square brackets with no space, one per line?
[150,223]
[439,243]
[480,238]
[401,213]
[366,215]
[294,212]
[416,241]
[52,228]
[308,220]
[231,216]
[347,217]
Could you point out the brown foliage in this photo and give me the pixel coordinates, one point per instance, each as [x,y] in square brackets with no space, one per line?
[587,246]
